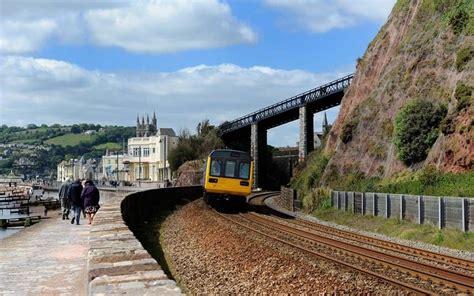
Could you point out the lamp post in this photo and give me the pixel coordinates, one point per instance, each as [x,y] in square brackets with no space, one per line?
[164,158]
[139,164]
[117,153]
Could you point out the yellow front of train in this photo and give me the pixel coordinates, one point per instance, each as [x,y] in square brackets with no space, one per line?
[228,176]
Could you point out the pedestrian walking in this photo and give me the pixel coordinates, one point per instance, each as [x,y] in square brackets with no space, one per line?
[91,198]
[75,198]
[63,198]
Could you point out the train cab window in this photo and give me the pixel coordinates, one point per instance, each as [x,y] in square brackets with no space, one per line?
[244,170]
[216,167]
[230,168]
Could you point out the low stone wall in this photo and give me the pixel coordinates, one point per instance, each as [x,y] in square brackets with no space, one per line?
[117,261]
[286,198]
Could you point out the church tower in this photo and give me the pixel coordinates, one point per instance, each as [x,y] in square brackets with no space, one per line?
[147,126]
[325,124]
[138,133]
[154,127]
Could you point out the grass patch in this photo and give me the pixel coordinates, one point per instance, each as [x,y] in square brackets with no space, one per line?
[427,181]
[109,145]
[70,139]
[450,238]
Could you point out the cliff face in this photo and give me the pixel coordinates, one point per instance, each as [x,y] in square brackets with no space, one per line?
[420,53]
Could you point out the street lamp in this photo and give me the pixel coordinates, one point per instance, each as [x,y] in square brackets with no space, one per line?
[164,158]
[139,163]
[117,176]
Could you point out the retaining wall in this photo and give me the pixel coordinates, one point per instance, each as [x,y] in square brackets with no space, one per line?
[117,261]
[451,212]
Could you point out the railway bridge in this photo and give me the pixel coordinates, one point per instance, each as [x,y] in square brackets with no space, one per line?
[249,132]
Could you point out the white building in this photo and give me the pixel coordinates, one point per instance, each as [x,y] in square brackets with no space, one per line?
[79,169]
[147,155]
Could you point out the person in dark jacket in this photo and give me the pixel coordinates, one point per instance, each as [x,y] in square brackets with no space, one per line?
[91,197]
[75,198]
[63,198]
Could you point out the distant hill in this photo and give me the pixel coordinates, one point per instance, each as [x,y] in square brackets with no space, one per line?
[36,150]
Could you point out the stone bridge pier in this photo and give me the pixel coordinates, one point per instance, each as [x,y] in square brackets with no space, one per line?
[306,143]
[258,151]
[258,143]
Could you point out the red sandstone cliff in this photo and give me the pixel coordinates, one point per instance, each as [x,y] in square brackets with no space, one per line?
[414,56]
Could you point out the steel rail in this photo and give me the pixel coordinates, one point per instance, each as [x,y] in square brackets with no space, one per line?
[409,287]
[392,246]
[462,282]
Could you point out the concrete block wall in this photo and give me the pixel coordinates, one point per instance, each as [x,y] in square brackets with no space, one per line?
[451,212]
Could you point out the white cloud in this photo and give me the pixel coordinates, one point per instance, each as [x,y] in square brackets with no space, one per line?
[324,15]
[49,91]
[164,26]
[153,26]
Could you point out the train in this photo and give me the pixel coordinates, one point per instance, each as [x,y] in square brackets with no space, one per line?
[228,176]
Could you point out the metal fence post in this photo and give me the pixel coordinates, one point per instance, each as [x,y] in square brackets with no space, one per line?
[362,202]
[337,199]
[440,215]
[373,203]
[401,206]
[463,207]
[419,209]
[353,202]
[346,198]
[386,205]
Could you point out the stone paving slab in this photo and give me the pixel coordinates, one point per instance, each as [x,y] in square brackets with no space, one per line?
[54,257]
[48,258]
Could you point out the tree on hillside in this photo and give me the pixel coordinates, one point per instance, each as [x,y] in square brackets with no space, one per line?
[191,147]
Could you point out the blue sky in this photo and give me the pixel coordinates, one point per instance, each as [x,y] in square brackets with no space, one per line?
[107,61]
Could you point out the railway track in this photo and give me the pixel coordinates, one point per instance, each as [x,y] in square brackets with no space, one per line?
[454,262]
[423,278]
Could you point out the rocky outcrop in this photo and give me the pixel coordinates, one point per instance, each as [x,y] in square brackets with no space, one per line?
[190,173]
[416,55]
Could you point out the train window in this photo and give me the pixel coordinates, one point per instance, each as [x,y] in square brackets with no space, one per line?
[244,170]
[230,168]
[216,167]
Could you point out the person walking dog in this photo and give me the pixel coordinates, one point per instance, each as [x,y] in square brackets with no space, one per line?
[91,198]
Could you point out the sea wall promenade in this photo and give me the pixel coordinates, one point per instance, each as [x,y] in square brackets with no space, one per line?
[55,257]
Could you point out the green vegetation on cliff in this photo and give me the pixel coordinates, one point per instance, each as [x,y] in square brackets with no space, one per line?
[198,146]
[416,129]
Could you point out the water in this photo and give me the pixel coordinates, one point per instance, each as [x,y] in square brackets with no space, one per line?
[35,211]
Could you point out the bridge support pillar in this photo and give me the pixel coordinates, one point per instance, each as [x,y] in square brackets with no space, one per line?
[306,143]
[258,147]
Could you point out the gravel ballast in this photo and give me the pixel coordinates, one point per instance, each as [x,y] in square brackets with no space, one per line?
[209,255]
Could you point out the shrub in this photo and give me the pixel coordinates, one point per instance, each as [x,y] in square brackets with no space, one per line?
[348,130]
[463,95]
[316,199]
[416,129]
[463,57]
[447,125]
[429,176]
[459,19]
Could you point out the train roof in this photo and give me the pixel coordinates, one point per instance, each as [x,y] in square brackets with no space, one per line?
[224,153]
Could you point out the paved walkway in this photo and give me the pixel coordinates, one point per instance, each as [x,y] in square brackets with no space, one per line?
[48,258]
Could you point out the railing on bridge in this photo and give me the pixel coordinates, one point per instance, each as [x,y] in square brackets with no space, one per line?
[288,104]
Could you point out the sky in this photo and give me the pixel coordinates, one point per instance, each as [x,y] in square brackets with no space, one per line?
[105,62]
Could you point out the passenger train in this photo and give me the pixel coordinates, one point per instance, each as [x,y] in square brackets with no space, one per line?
[228,176]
